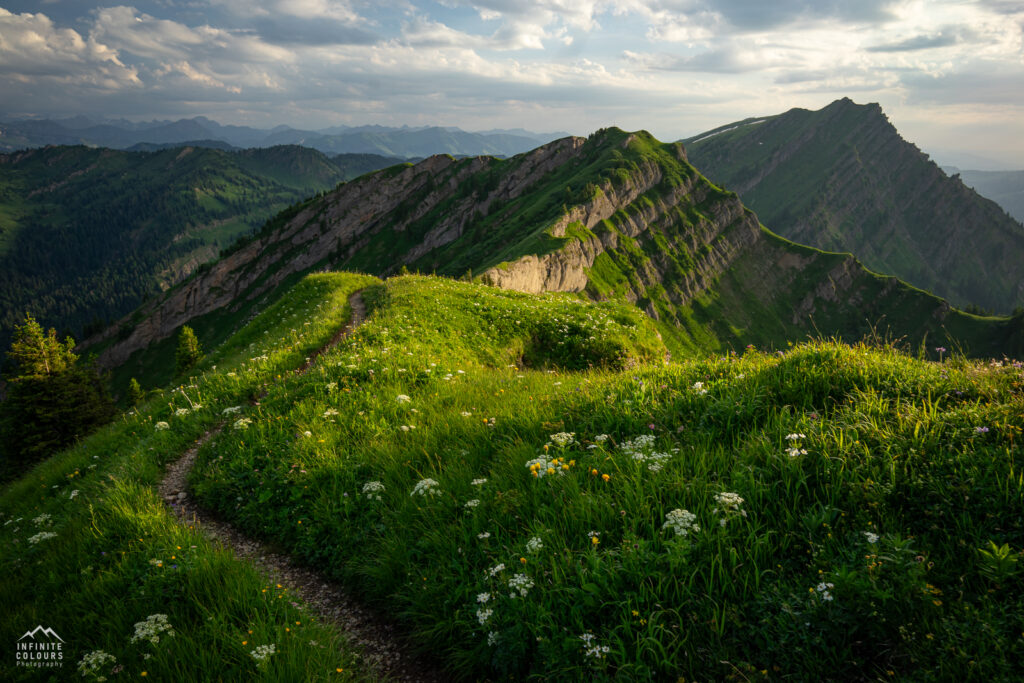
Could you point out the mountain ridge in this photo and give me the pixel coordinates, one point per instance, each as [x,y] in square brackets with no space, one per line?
[842,179]
[617,215]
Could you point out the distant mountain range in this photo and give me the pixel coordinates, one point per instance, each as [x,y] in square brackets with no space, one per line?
[404,142]
[842,179]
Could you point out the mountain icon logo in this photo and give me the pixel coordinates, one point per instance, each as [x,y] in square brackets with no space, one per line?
[48,632]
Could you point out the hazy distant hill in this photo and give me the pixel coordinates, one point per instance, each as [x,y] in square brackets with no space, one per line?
[1005,188]
[616,216]
[402,142]
[842,179]
[87,234]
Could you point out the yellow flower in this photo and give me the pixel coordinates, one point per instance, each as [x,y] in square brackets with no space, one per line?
[593,472]
[245,642]
[606,477]
[523,560]
[595,540]
[551,470]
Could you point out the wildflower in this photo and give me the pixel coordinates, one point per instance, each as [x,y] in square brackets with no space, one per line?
[151,628]
[495,570]
[483,598]
[402,398]
[466,414]
[563,439]
[472,503]
[155,562]
[492,638]
[41,536]
[728,506]
[263,652]
[94,661]
[478,482]
[981,430]
[484,535]
[372,490]
[521,583]
[594,537]
[160,426]
[242,423]
[181,412]
[426,487]
[606,476]
[534,545]
[72,495]
[483,614]
[42,519]
[681,522]
[872,538]
[231,411]
[794,452]
[600,438]
[591,649]
[823,590]
[699,388]
[330,412]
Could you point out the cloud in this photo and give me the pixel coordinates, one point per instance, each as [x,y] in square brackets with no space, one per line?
[31,48]
[921,42]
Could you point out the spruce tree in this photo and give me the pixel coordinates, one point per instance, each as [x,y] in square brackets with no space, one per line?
[189,351]
[135,393]
[52,399]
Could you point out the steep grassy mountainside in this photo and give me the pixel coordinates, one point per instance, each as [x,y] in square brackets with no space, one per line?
[618,215]
[87,234]
[842,179]
[533,492]
[1005,188]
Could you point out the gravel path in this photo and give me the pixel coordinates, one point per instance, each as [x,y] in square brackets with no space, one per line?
[382,649]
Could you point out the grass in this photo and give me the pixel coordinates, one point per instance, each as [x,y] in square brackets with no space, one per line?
[118,557]
[511,475]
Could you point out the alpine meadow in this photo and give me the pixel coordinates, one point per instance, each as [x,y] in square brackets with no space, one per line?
[403,391]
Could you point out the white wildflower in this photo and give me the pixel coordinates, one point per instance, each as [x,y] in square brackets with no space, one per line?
[824,591]
[795,437]
[94,661]
[495,570]
[242,423]
[681,522]
[492,638]
[42,519]
[160,426]
[478,482]
[231,410]
[330,412]
[484,535]
[728,506]
[563,439]
[520,583]
[534,545]
[263,652]
[426,487]
[151,628]
[601,438]
[871,537]
[372,490]
[41,536]
[483,614]
[483,598]
[181,412]
[591,649]
[472,503]
[402,398]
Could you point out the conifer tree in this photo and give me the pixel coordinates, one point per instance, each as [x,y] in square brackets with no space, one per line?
[135,393]
[189,351]
[52,399]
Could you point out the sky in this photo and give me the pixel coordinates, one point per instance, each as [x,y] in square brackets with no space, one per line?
[948,73]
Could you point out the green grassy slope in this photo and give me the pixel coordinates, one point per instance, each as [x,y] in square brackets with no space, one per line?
[842,179]
[87,234]
[88,549]
[510,476]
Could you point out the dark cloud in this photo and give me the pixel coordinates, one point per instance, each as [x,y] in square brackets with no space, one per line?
[285,30]
[941,39]
[756,15]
